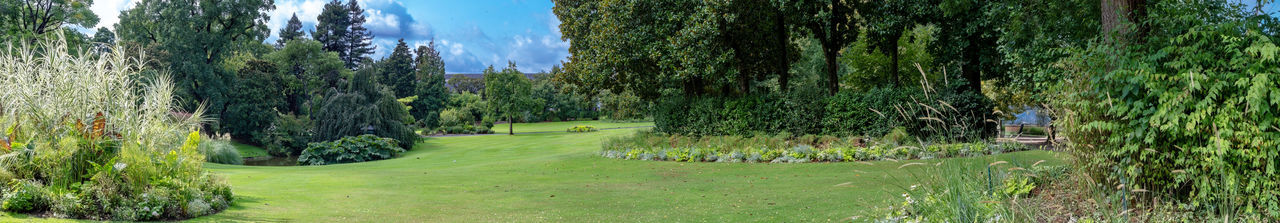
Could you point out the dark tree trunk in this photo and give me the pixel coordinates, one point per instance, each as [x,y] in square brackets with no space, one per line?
[511,122]
[780,32]
[833,78]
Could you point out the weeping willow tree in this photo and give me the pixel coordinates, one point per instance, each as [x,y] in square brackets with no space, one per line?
[364,107]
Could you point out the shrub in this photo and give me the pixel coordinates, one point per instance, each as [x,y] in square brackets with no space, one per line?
[351,149]
[220,150]
[582,128]
[85,139]
[1191,113]
[646,145]
[289,135]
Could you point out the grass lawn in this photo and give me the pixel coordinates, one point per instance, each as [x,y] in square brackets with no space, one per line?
[558,177]
[247,150]
[562,126]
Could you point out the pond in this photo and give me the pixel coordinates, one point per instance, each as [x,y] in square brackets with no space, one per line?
[271,161]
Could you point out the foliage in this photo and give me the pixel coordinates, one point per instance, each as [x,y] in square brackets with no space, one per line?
[219,150]
[291,31]
[350,149]
[1191,113]
[29,20]
[694,47]
[582,128]
[99,143]
[508,92]
[563,101]
[783,149]
[289,135]
[307,72]
[965,192]
[622,106]
[252,103]
[362,108]
[398,72]
[432,93]
[341,29]
[182,30]
[461,83]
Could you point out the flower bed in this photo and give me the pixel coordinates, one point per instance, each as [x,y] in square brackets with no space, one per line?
[783,149]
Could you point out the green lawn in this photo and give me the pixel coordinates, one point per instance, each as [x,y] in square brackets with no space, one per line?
[558,177]
[248,151]
[562,126]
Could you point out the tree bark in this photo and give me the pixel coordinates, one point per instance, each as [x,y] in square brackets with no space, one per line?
[833,79]
[780,32]
[511,129]
[1121,20]
[893,61]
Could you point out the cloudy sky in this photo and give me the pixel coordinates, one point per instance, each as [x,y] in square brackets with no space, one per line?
[471,34]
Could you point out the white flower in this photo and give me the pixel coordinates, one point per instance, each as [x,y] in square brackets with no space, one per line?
[120,166]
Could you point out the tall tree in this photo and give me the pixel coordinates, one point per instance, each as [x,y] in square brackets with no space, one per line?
[430,87]
[886,23]
[359,40]
[291,31]
[253,101]
[831,23]
[103,39]
[332,29]
[397,71]
[307,71]
[197,35]
[1121,19]
[509,93]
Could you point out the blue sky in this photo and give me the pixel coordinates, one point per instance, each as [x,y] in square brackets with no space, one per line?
[470,34]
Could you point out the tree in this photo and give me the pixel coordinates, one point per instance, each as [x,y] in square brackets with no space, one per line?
[886,22]
[397,71]
[252,102]
[291,31]
[103,40]
[365,106]
[430,87]
[359,40]
[36,17]
[462,83]
[831,23]
[508,92]
[196,35]
[307,71]
[332,29]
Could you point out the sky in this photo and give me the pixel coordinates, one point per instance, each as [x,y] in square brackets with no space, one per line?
[470,34]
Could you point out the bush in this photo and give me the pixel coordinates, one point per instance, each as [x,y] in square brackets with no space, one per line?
[944,115]
[582,128]
[1192,113]
[647,145]
[289,135]
[351,149]
[220,150]
[66,157]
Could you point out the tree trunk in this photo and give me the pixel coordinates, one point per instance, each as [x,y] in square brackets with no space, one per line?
[1121,20]
[780,32]
[511,122]
[833,79]
[894,73]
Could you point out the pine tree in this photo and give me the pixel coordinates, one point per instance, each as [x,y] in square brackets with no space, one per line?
[359,40]
[431,90]
[290,32]
[331,30]
[398,71]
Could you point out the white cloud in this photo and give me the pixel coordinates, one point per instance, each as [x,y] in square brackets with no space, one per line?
[307,12]
[108,11]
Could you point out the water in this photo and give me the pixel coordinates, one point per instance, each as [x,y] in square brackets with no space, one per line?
[271,161]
